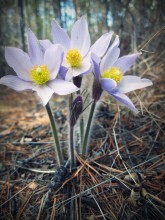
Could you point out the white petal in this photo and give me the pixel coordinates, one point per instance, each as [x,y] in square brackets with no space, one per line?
[115,43]
[80,38]
[35,51]
[89,71]
[101,45]
[60,36]
[109,59]
[95,58]
[53,59]
[125,62]
[84,68]
[44,92]
[108,84]
[19,61]
[69,74]
[45,44]
[16,83]
[130,83]
[125,100]
[62,87]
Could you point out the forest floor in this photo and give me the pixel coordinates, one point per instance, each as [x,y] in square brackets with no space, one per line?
[124,177]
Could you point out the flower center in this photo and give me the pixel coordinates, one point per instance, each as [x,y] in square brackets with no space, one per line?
[73,58]
[40,74]
[113,73]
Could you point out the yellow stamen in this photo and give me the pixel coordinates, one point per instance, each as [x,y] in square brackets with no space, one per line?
[40,74]
[73,58]
[113,73]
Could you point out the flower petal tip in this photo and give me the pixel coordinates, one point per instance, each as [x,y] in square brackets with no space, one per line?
[53,22]
[150,83]
[83,18]
[30,31]
[136,111]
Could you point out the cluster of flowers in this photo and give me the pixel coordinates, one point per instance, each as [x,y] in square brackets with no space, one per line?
[58,67]
[51,67]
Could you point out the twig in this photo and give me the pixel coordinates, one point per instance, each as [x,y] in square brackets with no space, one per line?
[105,181]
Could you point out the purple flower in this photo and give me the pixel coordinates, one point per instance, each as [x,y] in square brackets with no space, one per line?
[76,48]
[37,70]
[110,70]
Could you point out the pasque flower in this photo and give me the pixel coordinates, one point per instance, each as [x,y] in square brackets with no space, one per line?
[37,70]
[76,48]
[100,46]
[77,59]
[110,70]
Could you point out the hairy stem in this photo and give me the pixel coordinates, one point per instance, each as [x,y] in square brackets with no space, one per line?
[82,129]
[87,131]
[71,134]
[72,157]
[58,150]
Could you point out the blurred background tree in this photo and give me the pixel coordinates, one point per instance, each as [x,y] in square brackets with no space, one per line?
[135,21]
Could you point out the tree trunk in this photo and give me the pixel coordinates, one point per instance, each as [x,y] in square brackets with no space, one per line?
[77,9]
[22,22]
[57,10]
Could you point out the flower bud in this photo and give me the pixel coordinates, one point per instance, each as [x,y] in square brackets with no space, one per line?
[96,90]
[77,81]
[76,110]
